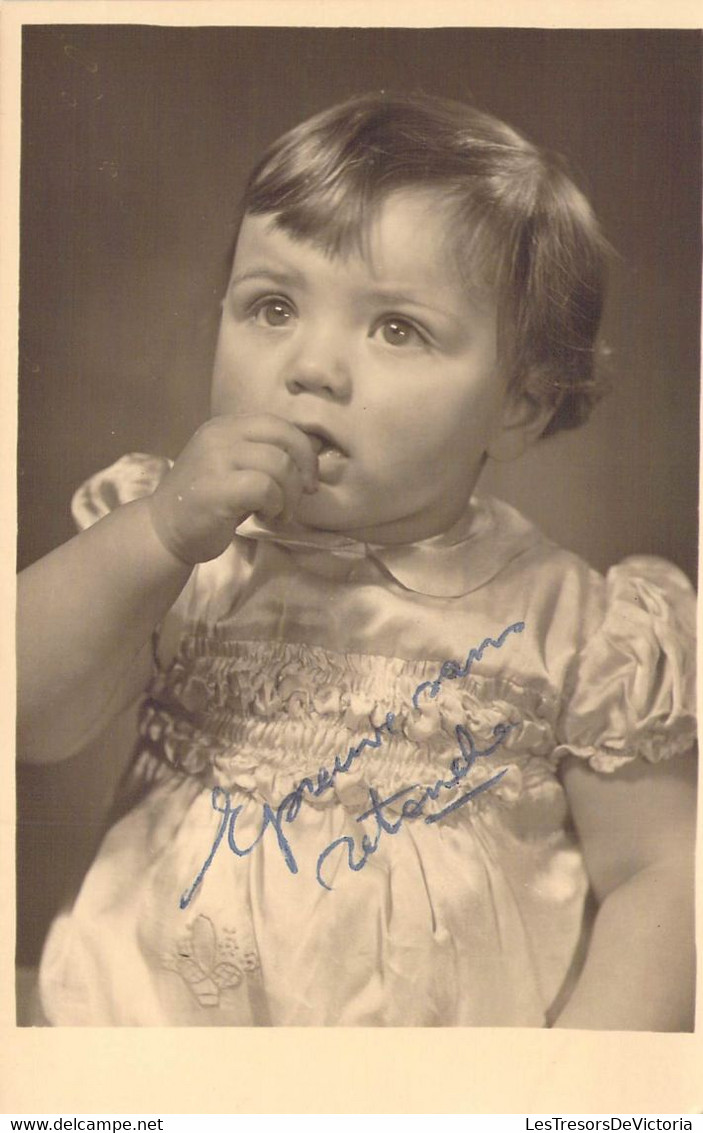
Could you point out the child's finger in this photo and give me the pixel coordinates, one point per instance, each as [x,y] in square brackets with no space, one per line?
[253,491]
[276,463]
[268,429]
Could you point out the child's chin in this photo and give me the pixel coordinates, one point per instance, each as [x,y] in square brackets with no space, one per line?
[323,512]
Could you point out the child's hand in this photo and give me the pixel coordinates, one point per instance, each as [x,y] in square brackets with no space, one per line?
[231,467]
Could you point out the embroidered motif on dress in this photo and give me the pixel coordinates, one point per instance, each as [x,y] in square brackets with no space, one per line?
[208,964]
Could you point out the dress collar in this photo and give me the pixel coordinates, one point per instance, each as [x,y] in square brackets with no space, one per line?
[483,540]
[486,537]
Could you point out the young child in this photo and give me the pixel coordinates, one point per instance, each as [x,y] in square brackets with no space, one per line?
[401,760]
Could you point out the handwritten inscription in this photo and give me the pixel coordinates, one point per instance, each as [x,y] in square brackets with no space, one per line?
[452,670]
[413,808]
[288,809]
[286,812]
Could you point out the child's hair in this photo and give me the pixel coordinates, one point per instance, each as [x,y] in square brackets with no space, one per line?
[522,228]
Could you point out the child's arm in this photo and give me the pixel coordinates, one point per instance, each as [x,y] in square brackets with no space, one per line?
[85,614]
[87,611]
[637,830]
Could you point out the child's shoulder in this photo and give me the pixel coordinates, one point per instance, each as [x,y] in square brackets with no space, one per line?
[652,586]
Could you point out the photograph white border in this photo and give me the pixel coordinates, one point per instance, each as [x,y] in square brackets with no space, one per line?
[292,1070]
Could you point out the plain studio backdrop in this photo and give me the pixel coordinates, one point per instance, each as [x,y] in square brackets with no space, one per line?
[136,144]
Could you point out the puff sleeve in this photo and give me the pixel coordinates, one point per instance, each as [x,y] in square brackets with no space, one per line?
[632,692]
[130,478]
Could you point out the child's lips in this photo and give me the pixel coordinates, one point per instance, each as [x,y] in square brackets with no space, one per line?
[317,443]
[330,455]
[323,442]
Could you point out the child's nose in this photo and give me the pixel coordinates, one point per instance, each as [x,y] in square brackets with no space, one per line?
[319,367]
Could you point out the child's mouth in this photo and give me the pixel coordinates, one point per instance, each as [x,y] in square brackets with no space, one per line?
[329,455]
[321,444]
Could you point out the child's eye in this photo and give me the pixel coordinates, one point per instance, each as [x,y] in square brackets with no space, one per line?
[273,312]
[400,332]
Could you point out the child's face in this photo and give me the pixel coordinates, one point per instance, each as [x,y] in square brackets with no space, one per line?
[384,357]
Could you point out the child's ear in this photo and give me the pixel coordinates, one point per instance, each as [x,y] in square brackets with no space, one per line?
[524,420]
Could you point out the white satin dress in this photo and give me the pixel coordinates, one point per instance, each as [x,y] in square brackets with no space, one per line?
[471,664]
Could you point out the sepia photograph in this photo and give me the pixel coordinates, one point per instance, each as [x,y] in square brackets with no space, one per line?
[358,527]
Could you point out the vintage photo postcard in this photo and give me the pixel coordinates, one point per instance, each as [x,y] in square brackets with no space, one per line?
[357,428]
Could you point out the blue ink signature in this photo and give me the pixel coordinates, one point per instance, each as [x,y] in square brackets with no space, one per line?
[413,808]
[287,811]
[452,670]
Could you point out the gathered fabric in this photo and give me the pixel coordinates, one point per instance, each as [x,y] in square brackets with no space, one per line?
[345,805]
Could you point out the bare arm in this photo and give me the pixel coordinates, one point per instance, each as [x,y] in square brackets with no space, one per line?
[637,829]
[85,616]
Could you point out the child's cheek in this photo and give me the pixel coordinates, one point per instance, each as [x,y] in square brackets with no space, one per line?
[238,385]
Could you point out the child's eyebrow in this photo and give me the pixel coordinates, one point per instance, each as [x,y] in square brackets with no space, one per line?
[281,278]
[392,295]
